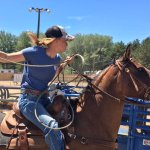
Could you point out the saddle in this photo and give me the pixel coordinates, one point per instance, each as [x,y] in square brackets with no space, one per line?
[23,134]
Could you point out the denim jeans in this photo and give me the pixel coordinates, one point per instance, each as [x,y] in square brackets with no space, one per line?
[53,138]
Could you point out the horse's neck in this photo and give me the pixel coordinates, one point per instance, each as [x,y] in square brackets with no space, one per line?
[100,109]
[86,118]
[97,117]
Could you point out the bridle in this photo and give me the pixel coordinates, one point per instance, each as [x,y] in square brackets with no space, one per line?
[145,89]
[123,67]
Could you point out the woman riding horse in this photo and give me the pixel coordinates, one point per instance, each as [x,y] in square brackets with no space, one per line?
[41,63]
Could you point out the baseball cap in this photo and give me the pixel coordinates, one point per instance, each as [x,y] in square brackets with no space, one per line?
[58,32]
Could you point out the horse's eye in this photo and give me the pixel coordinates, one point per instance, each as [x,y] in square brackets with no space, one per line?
[141,69]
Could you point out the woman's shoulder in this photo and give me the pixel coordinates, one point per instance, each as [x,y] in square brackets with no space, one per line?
[30,52]
[29,49]
[32,49]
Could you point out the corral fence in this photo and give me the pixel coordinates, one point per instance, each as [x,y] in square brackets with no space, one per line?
[7,92]
[12,91]
[67,77]
[134,133]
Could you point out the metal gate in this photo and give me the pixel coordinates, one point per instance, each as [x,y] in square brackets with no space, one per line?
[134,133]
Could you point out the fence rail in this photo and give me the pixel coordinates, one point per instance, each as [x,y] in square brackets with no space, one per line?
[136,119]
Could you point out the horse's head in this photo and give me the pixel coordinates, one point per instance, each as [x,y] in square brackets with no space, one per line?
[126,77]
[136,77]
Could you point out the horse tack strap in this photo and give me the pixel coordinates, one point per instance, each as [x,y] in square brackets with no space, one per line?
[87,140]
[23,140]
[98,88]
[147,93]
[17,110]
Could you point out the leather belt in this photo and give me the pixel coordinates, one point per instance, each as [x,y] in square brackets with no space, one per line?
[35,92]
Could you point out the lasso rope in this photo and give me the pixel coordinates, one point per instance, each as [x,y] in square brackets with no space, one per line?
[64,64]
[58,128]
[82,59]
[72,111]
[27,64]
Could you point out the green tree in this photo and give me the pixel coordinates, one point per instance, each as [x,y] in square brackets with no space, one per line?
[118,49]
[136,49]
[7,44]
[23,41]
[94,48]
[145,52]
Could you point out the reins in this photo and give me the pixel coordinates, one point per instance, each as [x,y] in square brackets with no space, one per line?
[127,70]
[100,90]
[64,64]
[89,81]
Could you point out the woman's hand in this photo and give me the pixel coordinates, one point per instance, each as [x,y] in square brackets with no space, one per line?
[69,60]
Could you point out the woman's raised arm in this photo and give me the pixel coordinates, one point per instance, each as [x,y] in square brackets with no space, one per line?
[11,57]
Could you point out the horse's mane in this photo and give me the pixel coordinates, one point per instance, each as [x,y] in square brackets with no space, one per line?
[100,75]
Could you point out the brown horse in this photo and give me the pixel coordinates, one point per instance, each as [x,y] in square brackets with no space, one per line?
[99,114]
[98,120]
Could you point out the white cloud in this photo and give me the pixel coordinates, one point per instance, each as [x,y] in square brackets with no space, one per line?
[78,18]
[67,27]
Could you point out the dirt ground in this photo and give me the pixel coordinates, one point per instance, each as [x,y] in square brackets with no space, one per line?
[8,83]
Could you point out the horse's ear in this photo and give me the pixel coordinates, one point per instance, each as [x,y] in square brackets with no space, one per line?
[114,60]
[127,52]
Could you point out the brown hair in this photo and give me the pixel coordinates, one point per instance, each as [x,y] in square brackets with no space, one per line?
[35,41]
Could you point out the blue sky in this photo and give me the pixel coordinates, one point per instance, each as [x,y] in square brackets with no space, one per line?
[124,20]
